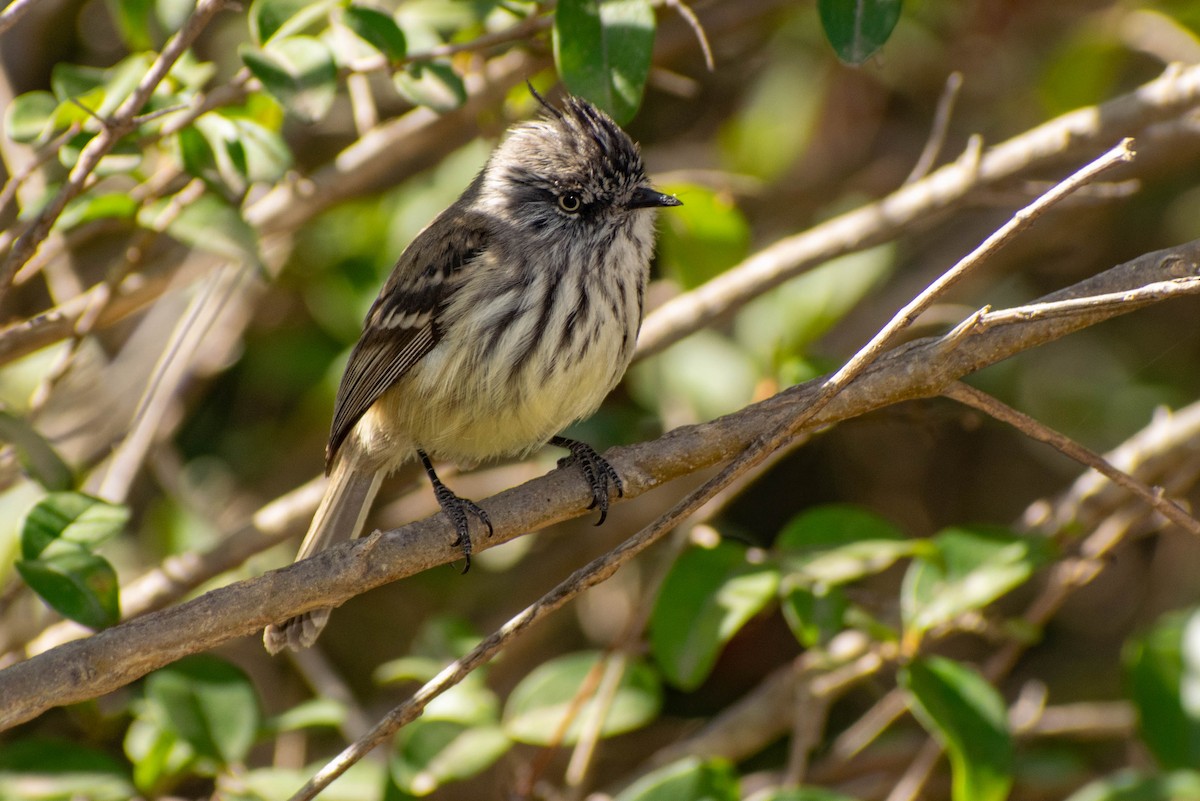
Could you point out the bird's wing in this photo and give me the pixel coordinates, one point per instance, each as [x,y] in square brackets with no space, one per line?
[402,326]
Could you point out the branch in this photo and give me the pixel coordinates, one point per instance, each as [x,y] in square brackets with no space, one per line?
[1079,132]
[122,122]
[117,656]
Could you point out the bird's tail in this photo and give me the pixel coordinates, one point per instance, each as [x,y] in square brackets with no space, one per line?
[341,514]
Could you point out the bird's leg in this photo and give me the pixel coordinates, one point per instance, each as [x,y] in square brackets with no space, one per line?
[598,473]
[456,509]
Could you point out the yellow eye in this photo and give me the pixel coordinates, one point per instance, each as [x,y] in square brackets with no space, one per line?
[570,202]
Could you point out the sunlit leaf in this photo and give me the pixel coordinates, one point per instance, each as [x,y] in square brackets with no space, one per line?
[315,713]
[814,614]
[37,456]
[299,72]
[377,29]
[603,50]
[66,521]
[967,716]
[209,224]
[29,117]
[209,704]
[431,83]
[270,19]
[971,568]
[431,753]
[1163,666]
[538,708]
[705,600]
[1126,785]
[799,794]
[689,779]
[77,584]
[158,755]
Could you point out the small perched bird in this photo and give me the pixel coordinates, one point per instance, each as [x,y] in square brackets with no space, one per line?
[509,317]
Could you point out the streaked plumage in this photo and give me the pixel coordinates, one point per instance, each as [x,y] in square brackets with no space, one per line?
[510,316]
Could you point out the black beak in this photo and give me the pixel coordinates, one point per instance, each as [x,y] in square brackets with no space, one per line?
[646,198]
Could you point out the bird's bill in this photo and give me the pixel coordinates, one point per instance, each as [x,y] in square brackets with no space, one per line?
[646,198]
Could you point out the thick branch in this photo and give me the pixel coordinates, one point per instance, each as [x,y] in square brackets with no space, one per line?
[91,667]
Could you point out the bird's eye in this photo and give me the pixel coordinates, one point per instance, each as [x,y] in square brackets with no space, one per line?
[570,203]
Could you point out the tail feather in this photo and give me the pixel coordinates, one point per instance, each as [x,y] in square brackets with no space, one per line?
[341,514]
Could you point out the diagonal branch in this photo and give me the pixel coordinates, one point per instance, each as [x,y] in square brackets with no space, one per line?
[115,657]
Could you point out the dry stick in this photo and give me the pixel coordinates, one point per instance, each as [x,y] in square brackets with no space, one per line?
[604,566]
[1088,458]
[693,22]
[15,10]
[1081,131]
[937,132]
[115,657]
[121,123]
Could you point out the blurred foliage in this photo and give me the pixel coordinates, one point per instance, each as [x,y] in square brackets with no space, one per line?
[891,546]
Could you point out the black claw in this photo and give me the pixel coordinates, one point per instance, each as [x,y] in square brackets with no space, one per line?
[456,509]
[599,474]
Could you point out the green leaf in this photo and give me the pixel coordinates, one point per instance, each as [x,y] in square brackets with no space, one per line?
[209,704]
[125,156]
[132,18]
[823,527]
[29,117]
[434,84]
[836,544]
[159,757]
[431,753]
[37,456]
[603,50]
[971,568]
[705,600]
[799,794]
[814,614]
[377,29]
[967,716]
[538,708]
[707,236]
[64,522]
[299,72]
[315,713]
[270,19]
[77,584]
[59,770]
[1180,785]
[689,779]
[858,28]
[1163,668]
[91,207]
[209,224]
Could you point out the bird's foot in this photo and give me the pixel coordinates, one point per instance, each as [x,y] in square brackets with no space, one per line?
[457,510]
[599,474]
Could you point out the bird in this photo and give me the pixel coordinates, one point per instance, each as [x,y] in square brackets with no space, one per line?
[506,319]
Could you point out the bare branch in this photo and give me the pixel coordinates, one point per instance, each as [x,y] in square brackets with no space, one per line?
[923,368]
[1077,133]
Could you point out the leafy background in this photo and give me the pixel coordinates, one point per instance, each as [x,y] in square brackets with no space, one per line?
[218,265]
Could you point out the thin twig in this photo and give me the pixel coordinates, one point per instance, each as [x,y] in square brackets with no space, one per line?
[1078,132]
[693,22]
[114,128]
[937,131]
[116,656]
[1033,429]
[13,12]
